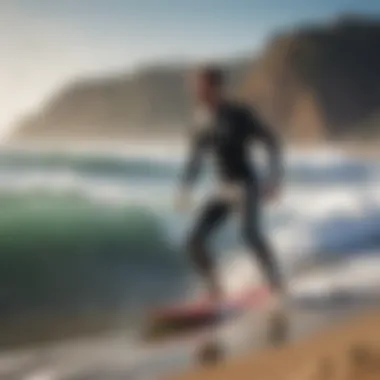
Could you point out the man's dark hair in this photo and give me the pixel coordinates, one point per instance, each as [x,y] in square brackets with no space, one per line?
[213,74]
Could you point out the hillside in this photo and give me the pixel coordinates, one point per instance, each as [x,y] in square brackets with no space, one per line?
[317,82]
[321,82]
[153,100]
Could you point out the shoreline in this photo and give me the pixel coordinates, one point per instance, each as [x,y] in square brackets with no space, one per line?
[341,352]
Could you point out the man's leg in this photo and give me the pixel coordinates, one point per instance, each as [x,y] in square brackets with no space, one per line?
[257,242]
[212,215]
[253,235]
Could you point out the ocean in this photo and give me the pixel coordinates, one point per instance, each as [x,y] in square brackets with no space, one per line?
[95,232]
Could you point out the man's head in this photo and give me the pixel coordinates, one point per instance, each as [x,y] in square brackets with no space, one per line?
[207,85]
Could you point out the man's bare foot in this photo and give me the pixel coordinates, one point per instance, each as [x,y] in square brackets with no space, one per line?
[210,353]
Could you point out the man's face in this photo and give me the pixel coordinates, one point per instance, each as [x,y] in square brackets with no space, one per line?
[203,90]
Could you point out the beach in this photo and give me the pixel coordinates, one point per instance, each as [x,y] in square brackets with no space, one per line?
[350,351]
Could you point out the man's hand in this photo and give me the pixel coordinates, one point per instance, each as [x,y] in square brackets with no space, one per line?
[183,200]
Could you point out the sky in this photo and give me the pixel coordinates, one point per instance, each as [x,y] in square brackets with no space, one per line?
[45,44]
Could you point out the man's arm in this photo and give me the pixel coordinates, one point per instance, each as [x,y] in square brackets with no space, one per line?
[193,162]
[262,132]
[190,173]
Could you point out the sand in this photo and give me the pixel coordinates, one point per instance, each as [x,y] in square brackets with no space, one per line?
[350,351]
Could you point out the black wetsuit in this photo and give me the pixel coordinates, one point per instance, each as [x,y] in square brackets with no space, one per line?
[234,128]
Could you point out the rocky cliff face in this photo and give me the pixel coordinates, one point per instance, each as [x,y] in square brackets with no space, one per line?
[320,82]
[314,83]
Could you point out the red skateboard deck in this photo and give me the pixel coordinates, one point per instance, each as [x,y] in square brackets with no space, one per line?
[197,314]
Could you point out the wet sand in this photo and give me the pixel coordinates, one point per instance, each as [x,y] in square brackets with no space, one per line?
[116,355]
[348,351]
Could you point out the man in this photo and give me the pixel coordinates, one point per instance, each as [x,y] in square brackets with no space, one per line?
[226,130]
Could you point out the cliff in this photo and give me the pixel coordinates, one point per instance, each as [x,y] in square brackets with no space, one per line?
[317,82]
[321,82]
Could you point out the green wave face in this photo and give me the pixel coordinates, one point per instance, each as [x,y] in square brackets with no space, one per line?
[62,251]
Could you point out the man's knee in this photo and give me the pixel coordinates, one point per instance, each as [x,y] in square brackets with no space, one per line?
[253,237]
[196,248]
[193,242]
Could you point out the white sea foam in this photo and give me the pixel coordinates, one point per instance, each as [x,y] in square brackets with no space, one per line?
[331,201]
